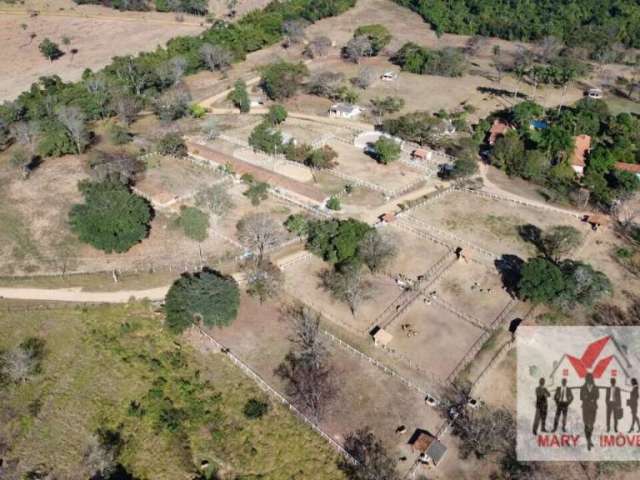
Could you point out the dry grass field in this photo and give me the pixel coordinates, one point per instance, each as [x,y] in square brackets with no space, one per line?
[490,224]
[364,394]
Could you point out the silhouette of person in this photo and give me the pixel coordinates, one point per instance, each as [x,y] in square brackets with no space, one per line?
[540,418]
[632,401]
[589,397]
[563,398]
[613,403]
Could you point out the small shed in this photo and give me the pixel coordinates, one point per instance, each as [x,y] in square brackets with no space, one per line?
[421,154]
[497,130]
[628,167]
[431,449]
[388,217]
[596,220]
[381,337]
[344,110]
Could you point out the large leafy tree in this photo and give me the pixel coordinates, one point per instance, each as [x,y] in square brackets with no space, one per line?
[282,80]
[336,240]
[377,34]
[206,296]
[112,218]
[541,281]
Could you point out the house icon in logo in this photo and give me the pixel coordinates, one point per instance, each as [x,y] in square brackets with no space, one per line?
[603,358]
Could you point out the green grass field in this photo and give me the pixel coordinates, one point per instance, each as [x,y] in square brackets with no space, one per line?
[189,404]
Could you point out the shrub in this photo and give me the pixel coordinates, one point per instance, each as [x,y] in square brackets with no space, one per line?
[112,218]
[207,296]
[194,223]
[378,36]
[172,144]
[119,135]
[386,150]
[50,50]
[334,203]
[255,409]
[240,97]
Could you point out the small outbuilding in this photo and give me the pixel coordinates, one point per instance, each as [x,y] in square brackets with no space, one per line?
[381,337]
[344,110]
[628,167]
[421,154]
[596,220]
[431,450]
[580,152]
[498,129]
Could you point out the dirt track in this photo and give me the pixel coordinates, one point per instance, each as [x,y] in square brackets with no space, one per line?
[77,295]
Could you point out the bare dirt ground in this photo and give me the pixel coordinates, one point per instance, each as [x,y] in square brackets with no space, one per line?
[441,339]
[414,256]
[356,164]
[474,289]
[303,281]
[365,395]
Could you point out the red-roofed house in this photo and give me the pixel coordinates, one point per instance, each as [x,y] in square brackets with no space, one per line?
[497,130]
[629,167]
[580,152]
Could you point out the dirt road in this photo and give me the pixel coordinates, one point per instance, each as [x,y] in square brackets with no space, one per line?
[80,296]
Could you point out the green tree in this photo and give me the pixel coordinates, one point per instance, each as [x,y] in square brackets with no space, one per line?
[50,50]
[336,241]
[583,285]
[541,281]
[377,34]
[386,150]
[297,223]
[384,106]
[240,97]
[194,223]
[112,218]
[334,203]
[507,151]
[276,115]
[419,127]
[282,79]
[257,192]
[265,138]
[208,297]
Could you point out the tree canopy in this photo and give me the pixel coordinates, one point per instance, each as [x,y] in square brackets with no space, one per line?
[336,240]
[206,296]
[112,218]
[378,36]
[282,79]
[594,24]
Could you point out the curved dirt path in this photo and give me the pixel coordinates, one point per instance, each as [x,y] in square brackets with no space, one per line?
[77,295]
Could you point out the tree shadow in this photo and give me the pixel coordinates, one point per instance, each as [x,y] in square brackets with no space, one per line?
[509,267]
[119,473]
[531,234]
